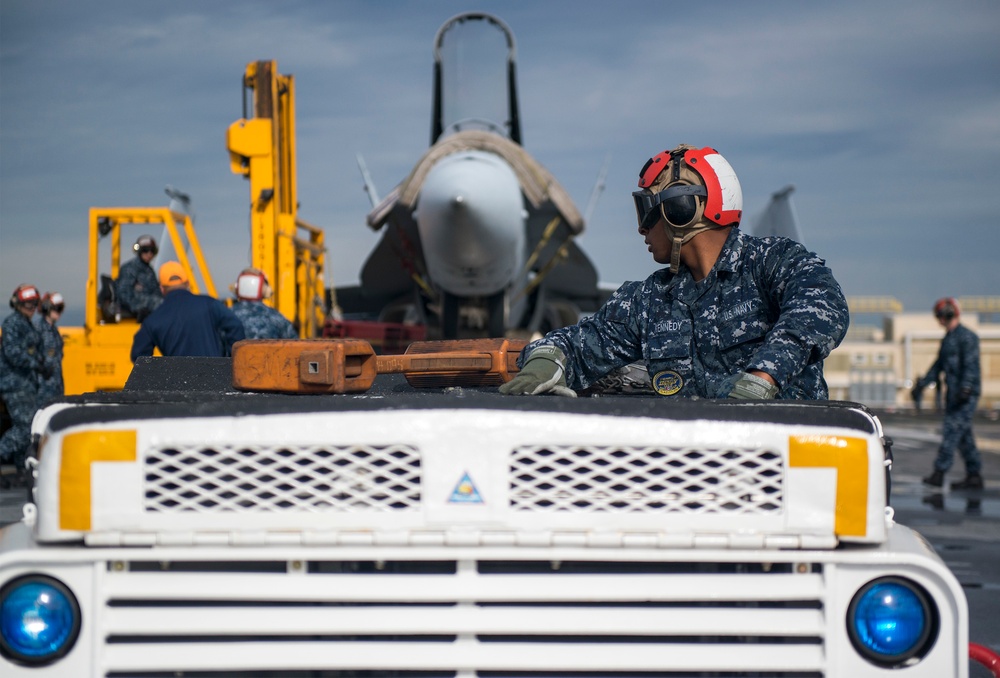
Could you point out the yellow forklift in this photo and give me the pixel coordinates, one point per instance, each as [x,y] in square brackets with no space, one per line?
[96,356]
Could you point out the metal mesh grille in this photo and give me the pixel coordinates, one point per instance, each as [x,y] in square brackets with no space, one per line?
[645,479]
[307,478]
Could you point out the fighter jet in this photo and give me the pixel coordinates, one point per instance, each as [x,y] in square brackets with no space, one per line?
[478,240]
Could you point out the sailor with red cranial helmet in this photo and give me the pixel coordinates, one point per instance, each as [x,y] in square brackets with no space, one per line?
[49,312]
[730,316]
[21,367]
[259,320]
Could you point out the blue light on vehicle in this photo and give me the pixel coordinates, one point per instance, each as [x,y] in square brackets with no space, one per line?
[891,621]
[39,619]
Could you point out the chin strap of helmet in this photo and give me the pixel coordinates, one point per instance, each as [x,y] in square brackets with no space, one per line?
[679,236]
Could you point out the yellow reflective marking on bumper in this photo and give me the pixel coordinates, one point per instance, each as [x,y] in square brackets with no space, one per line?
[79,451]
[849,456]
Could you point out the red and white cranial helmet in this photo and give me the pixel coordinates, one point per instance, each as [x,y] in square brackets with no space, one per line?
[53,301]
[946,309]
[25,295]
[252,285]
[673,181]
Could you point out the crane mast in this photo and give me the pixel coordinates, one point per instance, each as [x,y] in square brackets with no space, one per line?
[289,251]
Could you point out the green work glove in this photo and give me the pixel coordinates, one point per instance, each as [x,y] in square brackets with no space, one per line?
[543,372]
[751,387]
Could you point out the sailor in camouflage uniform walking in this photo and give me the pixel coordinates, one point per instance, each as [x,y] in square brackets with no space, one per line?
[138,289]
[733,316]
[21,366]
[259,321]
[51,387]
[958,358]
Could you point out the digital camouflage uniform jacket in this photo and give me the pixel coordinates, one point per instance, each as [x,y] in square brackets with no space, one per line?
[138,289]
[768,304]
[958,358]
[51,387]
[20,370]
[20,355]
[263,322]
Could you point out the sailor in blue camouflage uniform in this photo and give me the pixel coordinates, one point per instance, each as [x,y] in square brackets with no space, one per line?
[137,286]
[51,387]
[733,316]
[958,359]
[21,367]
[259,321]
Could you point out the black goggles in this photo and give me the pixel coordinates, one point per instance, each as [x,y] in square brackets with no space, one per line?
[57,307]
[679,205]
[147,250]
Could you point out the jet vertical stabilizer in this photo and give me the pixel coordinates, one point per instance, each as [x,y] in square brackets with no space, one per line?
[778,218]
[478,239]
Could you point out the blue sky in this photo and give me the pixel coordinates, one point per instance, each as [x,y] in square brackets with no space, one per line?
[884,115]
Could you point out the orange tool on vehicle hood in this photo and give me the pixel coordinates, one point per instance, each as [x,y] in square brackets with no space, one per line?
[350,365]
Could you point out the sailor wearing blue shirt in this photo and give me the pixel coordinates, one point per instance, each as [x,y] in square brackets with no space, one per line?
[733,316]
[186,324]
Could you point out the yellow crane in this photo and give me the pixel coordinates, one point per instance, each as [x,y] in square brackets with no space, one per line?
[289,251]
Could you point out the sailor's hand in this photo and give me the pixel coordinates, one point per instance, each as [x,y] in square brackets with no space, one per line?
[45,368]
[543,372]
[751,387]
[917,392]
[964,395]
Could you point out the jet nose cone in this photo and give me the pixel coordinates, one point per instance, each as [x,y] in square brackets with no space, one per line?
[470,218]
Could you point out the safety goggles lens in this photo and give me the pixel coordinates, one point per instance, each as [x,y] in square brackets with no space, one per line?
[58,307]
[146,250]
[679,205]
[645,203]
